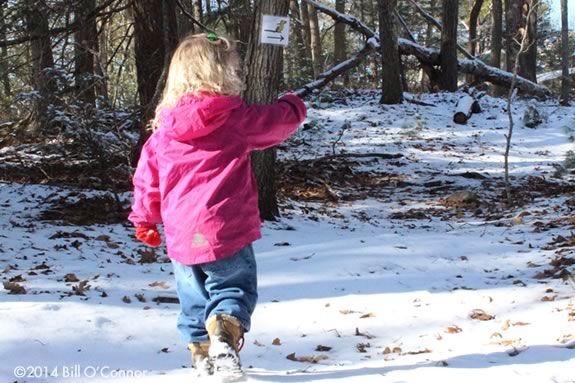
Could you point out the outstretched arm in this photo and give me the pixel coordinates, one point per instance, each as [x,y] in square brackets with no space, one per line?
[269,125]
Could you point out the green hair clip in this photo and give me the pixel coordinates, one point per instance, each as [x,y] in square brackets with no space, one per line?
[212,36]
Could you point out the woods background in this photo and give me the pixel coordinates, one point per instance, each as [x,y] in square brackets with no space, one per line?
[86,74]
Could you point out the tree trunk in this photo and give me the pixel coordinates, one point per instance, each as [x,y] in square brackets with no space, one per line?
[4,67]
[85,45]
[42,59]
[528,60]
[197,7]
[339,38]
[315,41]
[391,84]
[101,63]
[496,33]
[185,25]
[371,21]
[473,18]
[148,47]
[565,80]
[155,32]
[304,11]
[301,61]
[263,70]
[512,24]
[450,18]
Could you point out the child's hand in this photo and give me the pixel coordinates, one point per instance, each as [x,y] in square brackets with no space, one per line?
[149,235]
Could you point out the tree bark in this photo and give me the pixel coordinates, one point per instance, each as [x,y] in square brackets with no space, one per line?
[263,70]
[85,46]
[496,32]
[4,68]
[565,80]
[304,11]
[473,19]
[36,15]
[101,63]
[448,55]
[316,56]
[340,46]
[392,92]
[301,61]
[197,8]
[148,46]
[512,24]
[528,60]
[185,25]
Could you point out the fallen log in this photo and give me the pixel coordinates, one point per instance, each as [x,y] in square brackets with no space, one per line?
[466,106]
[430,56]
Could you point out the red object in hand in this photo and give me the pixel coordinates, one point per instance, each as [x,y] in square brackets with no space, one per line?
[149,235]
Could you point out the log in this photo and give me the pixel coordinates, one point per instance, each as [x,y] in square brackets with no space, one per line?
[466,106]
[430,56]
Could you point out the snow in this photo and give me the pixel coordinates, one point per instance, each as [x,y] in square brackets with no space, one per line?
[553,75]
[390,297]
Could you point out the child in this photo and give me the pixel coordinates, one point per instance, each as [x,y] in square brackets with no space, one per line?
[194,176]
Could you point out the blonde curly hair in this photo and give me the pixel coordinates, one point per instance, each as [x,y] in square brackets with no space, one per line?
[201,63]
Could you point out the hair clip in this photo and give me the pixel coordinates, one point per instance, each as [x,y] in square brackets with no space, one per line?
[212,36]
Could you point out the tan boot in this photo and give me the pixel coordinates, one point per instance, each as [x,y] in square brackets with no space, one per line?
[201,358]
[226,338]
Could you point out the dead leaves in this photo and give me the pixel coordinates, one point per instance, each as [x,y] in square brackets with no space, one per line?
[481,315]
[313,359]
[14,288]
[453,329]
[159,284]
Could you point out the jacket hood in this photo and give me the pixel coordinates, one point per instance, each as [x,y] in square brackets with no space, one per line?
[198,116]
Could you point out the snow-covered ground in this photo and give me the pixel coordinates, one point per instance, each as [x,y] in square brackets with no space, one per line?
[356,296]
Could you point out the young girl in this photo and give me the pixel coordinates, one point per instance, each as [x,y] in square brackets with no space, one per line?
[194,176]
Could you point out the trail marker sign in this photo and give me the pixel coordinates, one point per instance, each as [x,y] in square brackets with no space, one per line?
[275,30]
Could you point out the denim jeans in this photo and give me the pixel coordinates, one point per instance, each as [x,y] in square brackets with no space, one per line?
[226,286]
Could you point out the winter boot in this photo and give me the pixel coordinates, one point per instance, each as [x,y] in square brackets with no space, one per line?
[226,339]
[201,359]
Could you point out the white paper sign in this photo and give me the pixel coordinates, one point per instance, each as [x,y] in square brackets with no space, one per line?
[275,30]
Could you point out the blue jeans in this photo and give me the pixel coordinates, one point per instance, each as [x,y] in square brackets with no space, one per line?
[226,286]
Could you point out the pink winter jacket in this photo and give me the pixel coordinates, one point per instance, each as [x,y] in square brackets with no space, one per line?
[195,176]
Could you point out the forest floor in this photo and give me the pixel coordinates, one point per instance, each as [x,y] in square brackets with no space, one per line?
[402,266]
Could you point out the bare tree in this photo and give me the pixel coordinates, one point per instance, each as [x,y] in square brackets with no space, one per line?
[340,44]
[38,29]
[263,70]
[473,20]
[496,32]
[391,61]
[85,51]
[565,80]
[450,18]
[315,41]
[523,47]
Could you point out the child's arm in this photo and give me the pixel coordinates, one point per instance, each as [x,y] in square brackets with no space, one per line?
[146,206]
[269,125]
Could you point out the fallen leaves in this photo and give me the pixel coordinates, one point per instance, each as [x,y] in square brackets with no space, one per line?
[81,288]
[159,284]
[481,315]
[313,359]
[71,277]
[14,288]
[453,329]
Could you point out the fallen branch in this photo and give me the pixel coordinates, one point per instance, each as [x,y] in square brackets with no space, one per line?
[430,19]
[334,72]
[431,56]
